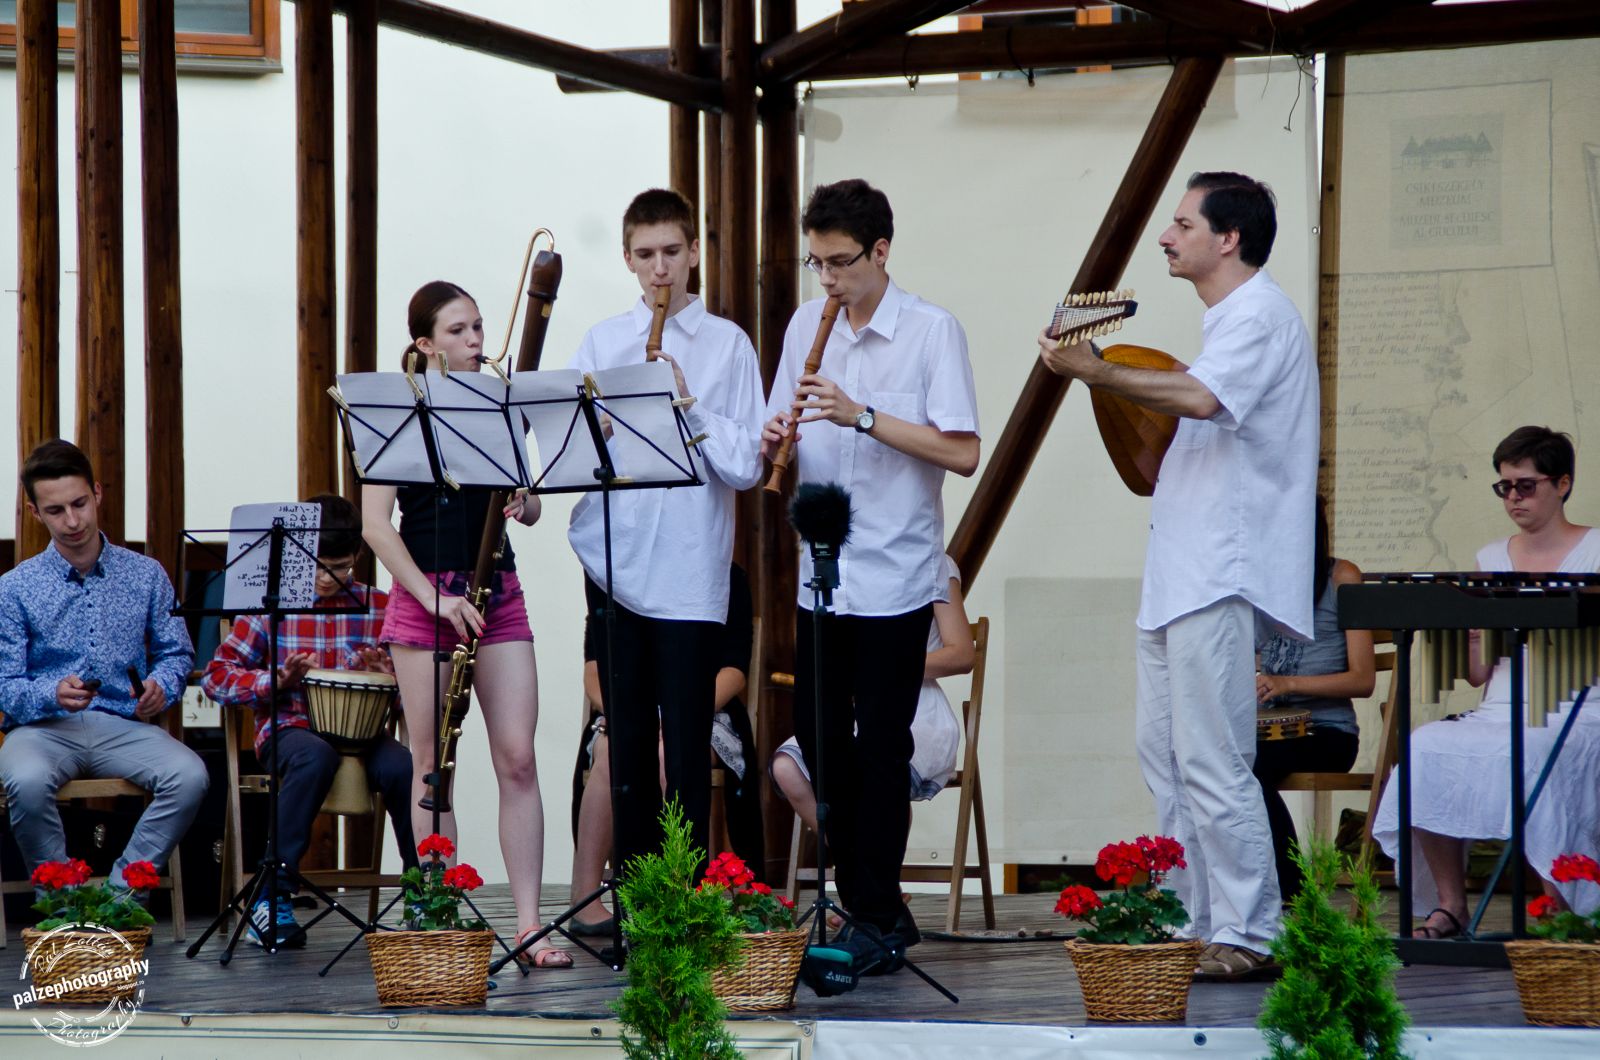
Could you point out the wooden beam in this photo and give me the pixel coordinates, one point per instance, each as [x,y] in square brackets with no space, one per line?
[738,206]
[317,337]
[1463,25]
[711,205]
[770,547]
[1024,47]
[1109,252]
[436,22]
[163,308]
[1328,274]
[1253,25]
[360,203]
[1322,17]
[683,123]
[794,55]
[101,371]
[38,250]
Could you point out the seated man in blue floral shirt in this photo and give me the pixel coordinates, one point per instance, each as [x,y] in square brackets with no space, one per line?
[89,652]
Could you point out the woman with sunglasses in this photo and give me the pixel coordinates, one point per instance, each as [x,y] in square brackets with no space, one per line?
[1461,780]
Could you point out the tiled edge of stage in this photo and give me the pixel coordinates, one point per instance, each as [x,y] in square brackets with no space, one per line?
[189,1037]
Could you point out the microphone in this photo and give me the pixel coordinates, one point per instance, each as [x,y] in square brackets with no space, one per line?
[820,514]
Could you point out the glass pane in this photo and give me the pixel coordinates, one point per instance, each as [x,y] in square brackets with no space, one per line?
[213,16]
[67,12]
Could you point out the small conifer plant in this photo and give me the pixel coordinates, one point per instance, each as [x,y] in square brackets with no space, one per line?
[1336,1000]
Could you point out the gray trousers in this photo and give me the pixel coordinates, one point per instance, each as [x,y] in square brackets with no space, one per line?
[37,759]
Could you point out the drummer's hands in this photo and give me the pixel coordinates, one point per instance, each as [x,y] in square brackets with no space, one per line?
[1271,686]
[374,660]
[293,669]
[462,616]
[524,507]
[152,701]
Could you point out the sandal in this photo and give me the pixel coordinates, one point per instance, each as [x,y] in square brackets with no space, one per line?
[543,955]
[1429,931]
[1224,963]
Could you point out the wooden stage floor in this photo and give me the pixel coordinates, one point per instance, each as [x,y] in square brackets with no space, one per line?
[1020,982]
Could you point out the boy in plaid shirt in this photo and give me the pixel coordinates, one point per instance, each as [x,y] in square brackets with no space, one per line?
[307,762]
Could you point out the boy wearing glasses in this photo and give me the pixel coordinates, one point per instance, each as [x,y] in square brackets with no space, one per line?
[671,548]
[1231,537]
[891,409]
[238,674]
[1460,768]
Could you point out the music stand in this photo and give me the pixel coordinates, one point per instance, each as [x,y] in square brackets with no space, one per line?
[261,562]
[447,431]
[650,440]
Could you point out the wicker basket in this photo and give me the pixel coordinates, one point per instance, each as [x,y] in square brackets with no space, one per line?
[765,979]
[69,954]
[1135,984]
[430,967]
[1559,982]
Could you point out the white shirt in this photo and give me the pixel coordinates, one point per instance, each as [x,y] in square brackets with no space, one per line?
[1234,507]
[909,361]
[670,548]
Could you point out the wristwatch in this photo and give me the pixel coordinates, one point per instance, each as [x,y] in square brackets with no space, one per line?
[865,420]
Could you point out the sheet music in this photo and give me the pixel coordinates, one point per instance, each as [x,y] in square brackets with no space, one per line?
[249,552]
[637,397]
[472,428]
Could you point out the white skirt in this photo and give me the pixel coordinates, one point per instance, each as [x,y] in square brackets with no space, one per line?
[1461,786]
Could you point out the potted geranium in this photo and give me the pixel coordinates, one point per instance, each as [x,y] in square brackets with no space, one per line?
[438,957]
[764,975]
[67,947]
[1558,971]
[1131,965]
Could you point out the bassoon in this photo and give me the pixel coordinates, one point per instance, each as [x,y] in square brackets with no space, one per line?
[543,280]
[780,459]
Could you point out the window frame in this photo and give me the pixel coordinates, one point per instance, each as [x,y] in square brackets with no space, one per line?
[263,43]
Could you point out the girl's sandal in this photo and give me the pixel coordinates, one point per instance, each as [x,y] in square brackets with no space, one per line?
[545,955]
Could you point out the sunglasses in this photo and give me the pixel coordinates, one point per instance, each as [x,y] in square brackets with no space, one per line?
[1523,487]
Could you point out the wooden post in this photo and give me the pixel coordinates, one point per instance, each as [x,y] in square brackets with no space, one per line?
[683,123]
[317,338]
[361,202]
[738,236]
[101,374]
[711,204]
[163,317]
[1328,271]
[1148,171]
[773,558]
[38,250]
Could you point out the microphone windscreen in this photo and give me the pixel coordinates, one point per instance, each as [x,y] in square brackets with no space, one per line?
[820,513]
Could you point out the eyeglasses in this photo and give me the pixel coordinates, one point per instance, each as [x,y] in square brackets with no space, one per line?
[817,265]
[336,570]
[1524,487]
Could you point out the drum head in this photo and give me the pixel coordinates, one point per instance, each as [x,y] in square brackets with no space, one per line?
[334,678]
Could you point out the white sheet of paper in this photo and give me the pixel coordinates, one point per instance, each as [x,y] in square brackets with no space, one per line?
[565,448]
[472,428]
[249,547]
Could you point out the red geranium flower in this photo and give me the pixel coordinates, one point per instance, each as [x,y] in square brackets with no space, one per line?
[785,901]
[436,844]
[51,874]
[78,872]
[1570,868]
[1120,863]
[760,888]
[463,877]
[1543,906]
[1163,853]
[141,876]
[1077,901]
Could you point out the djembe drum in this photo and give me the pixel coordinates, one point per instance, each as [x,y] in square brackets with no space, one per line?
[348,708]
[1282,723]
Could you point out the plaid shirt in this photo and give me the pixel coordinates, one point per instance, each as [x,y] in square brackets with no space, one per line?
[237,674]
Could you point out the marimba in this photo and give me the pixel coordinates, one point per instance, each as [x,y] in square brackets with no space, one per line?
[1555,616]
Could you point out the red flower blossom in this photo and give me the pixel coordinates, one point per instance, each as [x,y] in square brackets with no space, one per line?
[1162,854]
[78,872]
[729,870]
[1570,868]
[785,901]
[1543,906]
[760,888]
[141,876]
[463,877]
[1120,863]
[436,844]
[1077,901]
[58,874]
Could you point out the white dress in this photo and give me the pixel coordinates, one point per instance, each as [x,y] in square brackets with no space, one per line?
[1461,777]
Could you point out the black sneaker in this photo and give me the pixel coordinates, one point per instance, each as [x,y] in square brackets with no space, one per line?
[872,952]
[286,930]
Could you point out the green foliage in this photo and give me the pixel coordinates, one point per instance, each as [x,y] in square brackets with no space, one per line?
[676,936]
[1135,915]
[1336,1000]
[430,903]
[110,907]
[1566,926]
